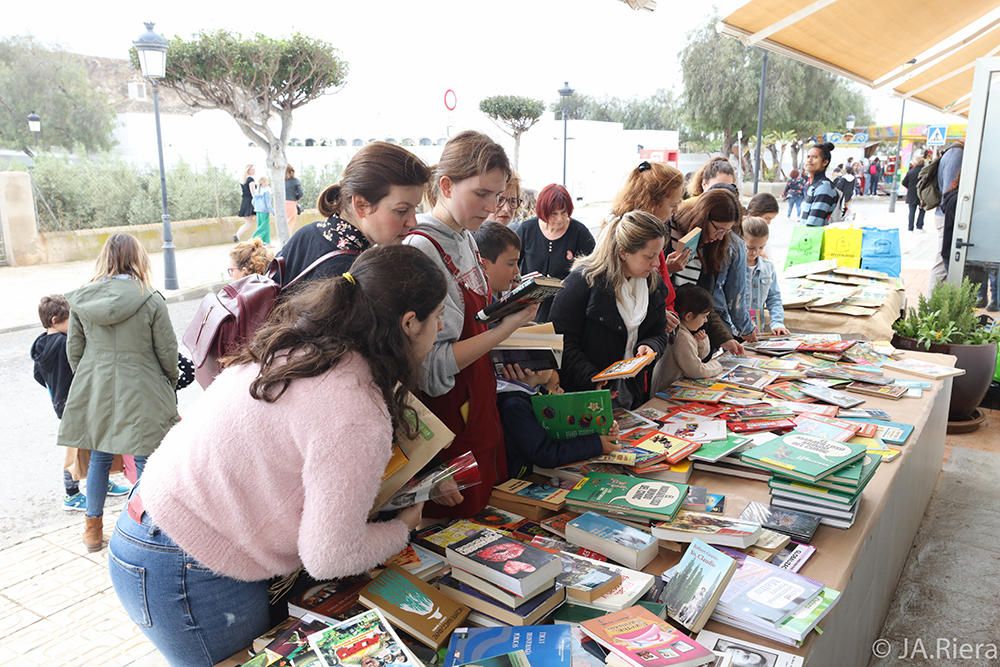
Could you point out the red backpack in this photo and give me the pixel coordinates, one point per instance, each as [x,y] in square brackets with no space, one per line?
[229,318]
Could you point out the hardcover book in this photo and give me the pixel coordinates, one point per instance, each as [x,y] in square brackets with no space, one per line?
[693,395]
[631,496]
[542,644]
[626,368]
[787,391]
[697,584]
[671,448]
[749,377]
[758,425]
[827,428]
[709,527]
[530,291]
[716,449]
[639,638]
[528,358]
[621,543]
[763,412]
[831,396]
[365,636]
[414,606]
[803,456]
[699,431]
[573,414]
[891,391]
[922,369]
[505,562]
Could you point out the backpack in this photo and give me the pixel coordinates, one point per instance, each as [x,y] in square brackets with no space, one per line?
[837,214]
[229,318]
[928,192]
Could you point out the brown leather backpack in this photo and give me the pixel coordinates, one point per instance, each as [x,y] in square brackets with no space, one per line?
[229,318]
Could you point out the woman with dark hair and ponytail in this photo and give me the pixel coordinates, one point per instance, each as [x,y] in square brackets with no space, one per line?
[821,196]
[374,204]
[278,465]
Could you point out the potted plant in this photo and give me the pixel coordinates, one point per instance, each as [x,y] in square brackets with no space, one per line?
[947,323]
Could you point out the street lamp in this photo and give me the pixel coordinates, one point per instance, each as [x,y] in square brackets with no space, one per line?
[152,51]
[564,93]
[34,123]
[850,122]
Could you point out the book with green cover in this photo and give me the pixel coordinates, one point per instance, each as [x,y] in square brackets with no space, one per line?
[854,477]
[570,415]
[803,457]
[629,496]
[417,607]
[827,496]
[716,449]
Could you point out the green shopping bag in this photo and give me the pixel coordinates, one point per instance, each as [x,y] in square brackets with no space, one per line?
[843,245]
[806,245]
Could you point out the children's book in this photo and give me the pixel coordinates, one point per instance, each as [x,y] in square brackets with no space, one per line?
[542,644]
[626,368]
[570,415]
[782,346]
[697,584]
[758,425]
[828,428]
[711,528]
[531,290]
[365,636]
[641,639]
[893,433]
[831,396]
[699,431]
[530,493]
[803,457]
[688,394]
[922,369]
[628,420]
[891,391]
[414,606]
[666,447]
[629,496]
[716,449]
[830,347]
[787,391]
[749,377]
[865,413]
[780,365]
[764,412]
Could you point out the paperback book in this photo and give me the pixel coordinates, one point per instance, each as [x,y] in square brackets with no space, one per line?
[893,392]
[697,584]
[629,496]
[633,586]
[514,566]
[641,639]
[748,652]
[621,543]
[803,457]
[698,431]
[586,580]
[922,369]
[531,290]
[530,493]
[831,396]
[799,526]
[749,377]
[708,527]
[414,606]
[541,644]
[523,611]
[767,592]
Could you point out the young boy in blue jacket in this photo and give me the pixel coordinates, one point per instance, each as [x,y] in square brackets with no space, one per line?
[527,443]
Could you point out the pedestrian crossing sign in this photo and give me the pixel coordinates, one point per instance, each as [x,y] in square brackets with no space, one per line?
[936,135]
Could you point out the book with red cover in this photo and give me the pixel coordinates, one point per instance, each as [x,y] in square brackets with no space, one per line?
[756,425]
[640,638]
[829,347]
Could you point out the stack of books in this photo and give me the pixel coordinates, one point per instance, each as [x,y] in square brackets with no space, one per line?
[586,589]
[835,498]
[528,499]
[504,581]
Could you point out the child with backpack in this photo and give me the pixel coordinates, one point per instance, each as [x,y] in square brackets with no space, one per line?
[263,206]
[52,371]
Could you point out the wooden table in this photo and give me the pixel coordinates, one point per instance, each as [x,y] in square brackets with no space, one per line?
[876,327]
[865,561]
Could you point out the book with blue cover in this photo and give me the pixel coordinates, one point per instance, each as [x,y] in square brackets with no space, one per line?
[767,592]
[547,645]
[621,543]
[894,433]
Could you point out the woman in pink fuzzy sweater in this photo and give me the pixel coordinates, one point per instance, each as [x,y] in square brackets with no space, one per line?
[278,464]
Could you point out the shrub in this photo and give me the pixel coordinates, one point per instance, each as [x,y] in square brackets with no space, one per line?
[948,316]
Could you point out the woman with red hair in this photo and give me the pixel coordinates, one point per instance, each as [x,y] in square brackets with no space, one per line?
[553,240]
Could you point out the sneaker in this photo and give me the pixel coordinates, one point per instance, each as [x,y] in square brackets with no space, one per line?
[75,503]
[117,489]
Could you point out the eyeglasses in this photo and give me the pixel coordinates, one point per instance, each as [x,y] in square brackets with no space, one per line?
[513,201]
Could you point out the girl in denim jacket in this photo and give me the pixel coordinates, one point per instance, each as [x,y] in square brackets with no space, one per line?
[762,281]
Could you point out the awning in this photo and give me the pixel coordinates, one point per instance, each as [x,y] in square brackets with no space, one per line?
[874,42]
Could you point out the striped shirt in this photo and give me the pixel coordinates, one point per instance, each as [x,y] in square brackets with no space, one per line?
[691,273]
[821,198]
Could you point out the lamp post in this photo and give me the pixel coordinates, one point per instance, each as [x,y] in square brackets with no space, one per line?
[35,127]
[152,51]
[564,93]
[850,123]
[899,160]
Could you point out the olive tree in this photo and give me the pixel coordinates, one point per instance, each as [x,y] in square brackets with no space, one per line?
[513,114]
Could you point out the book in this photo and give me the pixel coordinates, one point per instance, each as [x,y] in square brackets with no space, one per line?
[644,640]
[799,526]
[780,365]
[698,431]
[523,611]
[530,493]
[782,346]
[621,543]
[542,644]
[365,636]
[679,472]
[697,584]
[628,420]
[923,369]
[803,457]
[514,566]
[831,396]
[288,636]
[528,358]
[716,449]
[696,500]
[634,584]
[799,407]
[894,433]
[496,518]
[586,580]
[691,239]
[409,603]
[418,561]
[531,290]
[749,377]
[437,538]
[763,412]
[573,414]
[708,527]
[630,496]
[715,503]
[793,556]
[750,653]
[827,428]
[330,601]
[788,391]
[890,391]
[667,447]
[853,478]
[694,395]
[557,524]
[626,368]
[757,425]
[830,346]
[766,591]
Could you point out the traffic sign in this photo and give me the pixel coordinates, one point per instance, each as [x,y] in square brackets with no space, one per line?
[450,100]
[937,135]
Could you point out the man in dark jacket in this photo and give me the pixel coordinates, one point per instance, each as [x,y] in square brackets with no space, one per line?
[912,201]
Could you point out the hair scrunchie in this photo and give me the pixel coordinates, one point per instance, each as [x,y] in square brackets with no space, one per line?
[349,278]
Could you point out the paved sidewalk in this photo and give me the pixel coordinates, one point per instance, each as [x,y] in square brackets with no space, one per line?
[198,270]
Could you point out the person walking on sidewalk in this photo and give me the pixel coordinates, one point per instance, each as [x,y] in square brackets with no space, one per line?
[247,190]
[912,201]
[263,206]
[123,353]
[821,196]
[293,194]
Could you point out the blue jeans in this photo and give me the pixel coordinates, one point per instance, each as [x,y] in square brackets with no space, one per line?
[97,479]
[192,615]
[796,203]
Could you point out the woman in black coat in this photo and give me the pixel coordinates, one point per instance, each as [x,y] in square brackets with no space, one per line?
[912,200]
[611,307]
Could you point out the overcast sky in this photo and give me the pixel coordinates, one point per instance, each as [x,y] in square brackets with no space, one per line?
[404,54]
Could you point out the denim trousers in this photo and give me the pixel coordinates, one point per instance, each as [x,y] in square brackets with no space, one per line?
[796,203]
[97,479]
[190,614]
[920,218]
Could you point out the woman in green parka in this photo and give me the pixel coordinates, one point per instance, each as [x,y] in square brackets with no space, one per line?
[123,352]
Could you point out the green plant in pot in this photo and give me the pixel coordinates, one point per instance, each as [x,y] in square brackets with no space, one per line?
[947,323]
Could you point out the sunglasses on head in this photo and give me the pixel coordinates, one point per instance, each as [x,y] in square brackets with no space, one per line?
[731,187]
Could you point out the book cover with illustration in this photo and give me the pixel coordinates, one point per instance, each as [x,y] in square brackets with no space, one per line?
[364,639]
[641,638]
[787,391]
[828,428]
[700,431]
[923,369]
[760,425]
[575,413]
[710,528]
[696,585]
[414,606]
[586,579]
[625,368]
[693,395]
[547,645]
[512,565]
[289,636]
[831,396]
[667,447]
[803,456]
[437,538]
[762,412]
[716,449]
[329,600]
[894,433]
[633,586]
[531,493]
[767,592]
[631,496]
[531,290]
[749,377]
[494,517]
[606,528]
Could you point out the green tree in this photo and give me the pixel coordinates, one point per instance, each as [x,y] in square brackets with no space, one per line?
[255,80]
[513,114]
[55,85]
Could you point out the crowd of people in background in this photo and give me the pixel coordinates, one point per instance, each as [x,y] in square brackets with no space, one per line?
[387,288]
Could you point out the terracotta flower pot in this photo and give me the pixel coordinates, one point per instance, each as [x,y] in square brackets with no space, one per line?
[967,391]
